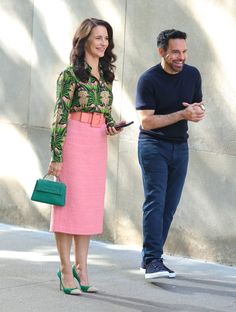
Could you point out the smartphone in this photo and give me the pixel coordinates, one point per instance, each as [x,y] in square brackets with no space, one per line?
[119,126]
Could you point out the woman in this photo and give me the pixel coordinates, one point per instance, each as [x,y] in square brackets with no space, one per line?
[82,121]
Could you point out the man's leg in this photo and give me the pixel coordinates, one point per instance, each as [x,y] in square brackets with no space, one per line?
[153,158]
[176,178]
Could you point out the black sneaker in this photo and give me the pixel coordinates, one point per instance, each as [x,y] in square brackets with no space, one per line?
[143,267]
[172,274]
[156,269]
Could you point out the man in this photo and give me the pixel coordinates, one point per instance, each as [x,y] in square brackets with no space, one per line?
[168,96]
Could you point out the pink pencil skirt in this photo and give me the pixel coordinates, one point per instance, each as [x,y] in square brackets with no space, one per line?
[84,173]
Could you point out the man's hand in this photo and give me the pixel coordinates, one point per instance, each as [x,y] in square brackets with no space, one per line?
[193,112]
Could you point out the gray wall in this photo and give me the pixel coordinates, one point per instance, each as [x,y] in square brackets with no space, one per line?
[35,41]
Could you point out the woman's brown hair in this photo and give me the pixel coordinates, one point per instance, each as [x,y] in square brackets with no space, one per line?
[77,54]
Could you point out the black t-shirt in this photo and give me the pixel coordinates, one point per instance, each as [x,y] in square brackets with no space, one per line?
[157,90]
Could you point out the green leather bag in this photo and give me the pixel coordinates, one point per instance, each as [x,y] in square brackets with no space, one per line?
[49,192]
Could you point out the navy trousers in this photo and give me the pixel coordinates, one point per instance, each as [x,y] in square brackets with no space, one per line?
[164,167]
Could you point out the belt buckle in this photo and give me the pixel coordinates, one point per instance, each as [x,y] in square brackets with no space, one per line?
[84,117]
[96,120]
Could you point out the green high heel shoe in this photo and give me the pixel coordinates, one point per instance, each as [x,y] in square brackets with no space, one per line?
[68,291]
[87,289]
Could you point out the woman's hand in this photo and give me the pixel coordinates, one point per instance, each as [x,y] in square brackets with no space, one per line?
[113,130]
[55,168]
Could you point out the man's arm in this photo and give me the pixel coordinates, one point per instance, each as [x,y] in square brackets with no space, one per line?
[148,120]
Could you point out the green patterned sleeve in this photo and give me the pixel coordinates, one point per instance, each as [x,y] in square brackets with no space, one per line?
[107,99]
[64,96]
[109,119]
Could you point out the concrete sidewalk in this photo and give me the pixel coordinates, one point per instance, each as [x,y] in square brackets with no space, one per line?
[28,281]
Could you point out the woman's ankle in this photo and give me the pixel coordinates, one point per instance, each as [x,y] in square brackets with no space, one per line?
[82,272]
[83,276]
[65,268]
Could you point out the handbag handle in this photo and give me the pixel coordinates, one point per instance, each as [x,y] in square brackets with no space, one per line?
[52,176]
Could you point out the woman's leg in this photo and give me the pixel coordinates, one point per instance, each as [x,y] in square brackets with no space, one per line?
[81,244]
[63,242]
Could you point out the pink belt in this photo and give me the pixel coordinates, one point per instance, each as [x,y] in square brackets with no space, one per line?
[94,119]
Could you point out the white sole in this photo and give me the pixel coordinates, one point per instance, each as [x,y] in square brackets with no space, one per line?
[170,275]
[156,275]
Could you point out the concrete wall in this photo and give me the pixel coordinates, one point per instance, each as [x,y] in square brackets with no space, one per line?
[35,41]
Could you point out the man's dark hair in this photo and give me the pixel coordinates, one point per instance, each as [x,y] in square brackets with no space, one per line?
[164,37]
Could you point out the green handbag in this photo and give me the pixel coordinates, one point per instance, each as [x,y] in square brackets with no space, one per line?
[49,192]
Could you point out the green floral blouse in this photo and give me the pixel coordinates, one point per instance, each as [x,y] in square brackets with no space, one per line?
[74,95]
